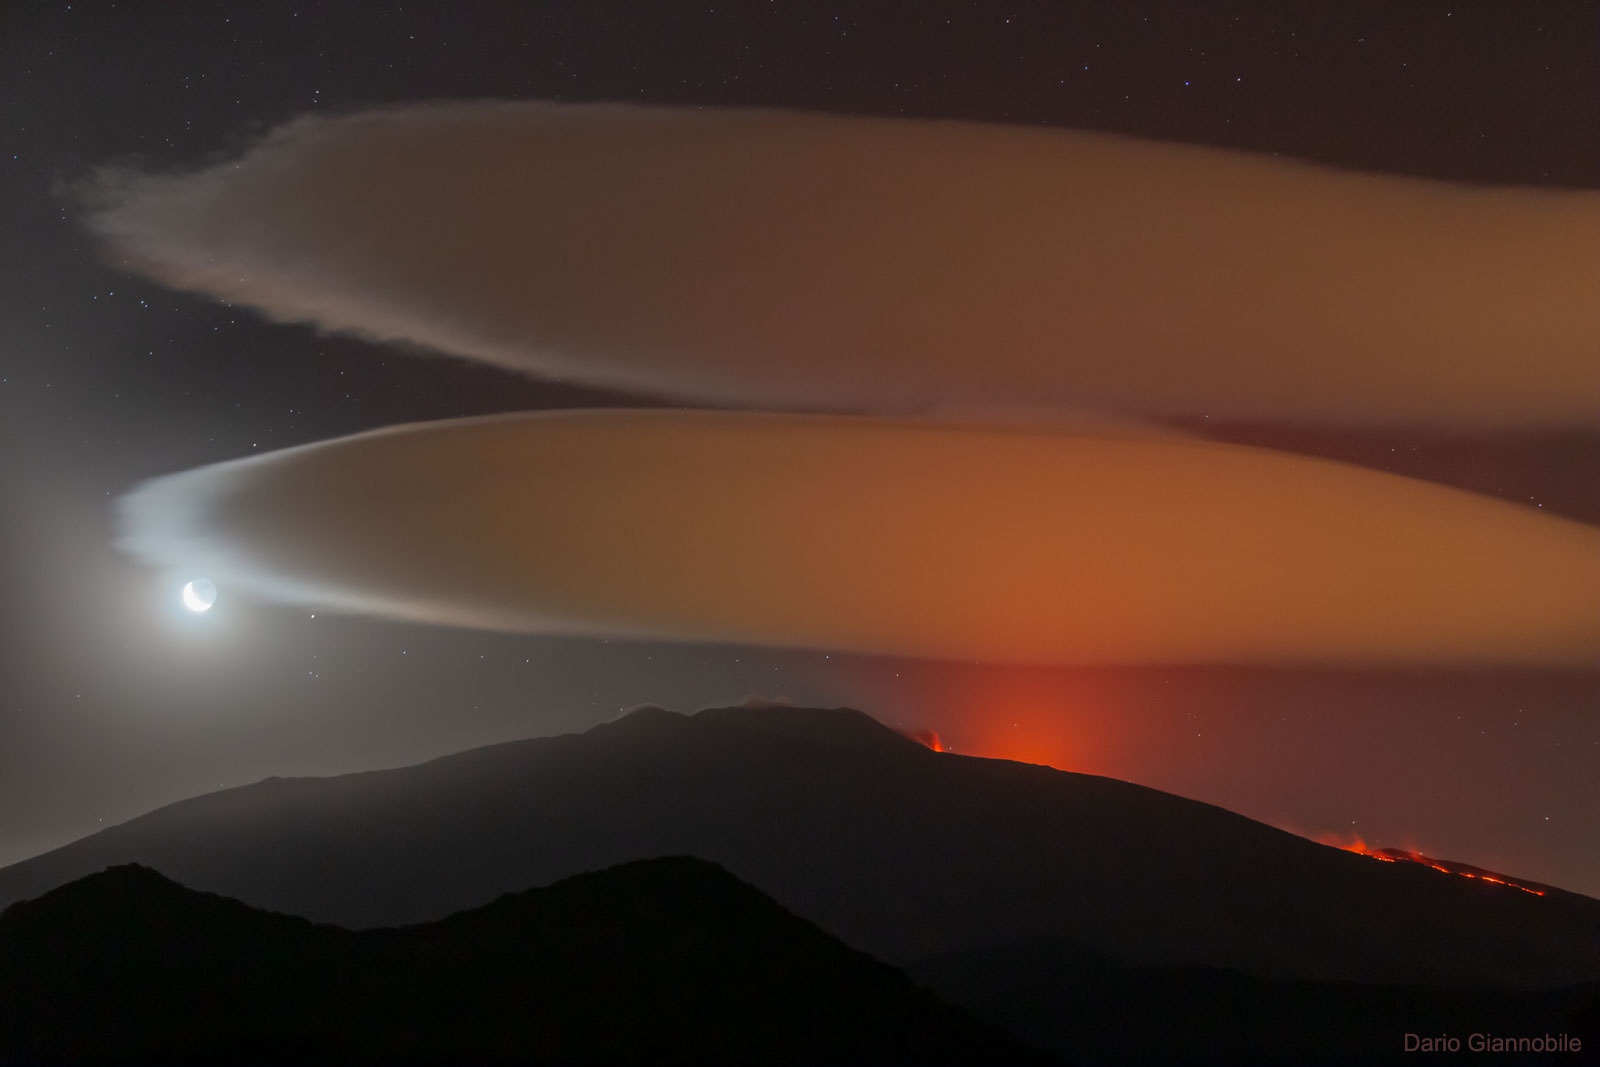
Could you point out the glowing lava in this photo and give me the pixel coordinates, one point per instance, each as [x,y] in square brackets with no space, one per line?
[927,737]
[1465,870]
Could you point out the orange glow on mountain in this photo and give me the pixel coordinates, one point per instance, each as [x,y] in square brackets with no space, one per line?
[1353,844]
[1465,870]
[1027,715]
[1024,744]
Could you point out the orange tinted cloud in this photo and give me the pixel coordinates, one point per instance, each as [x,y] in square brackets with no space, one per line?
[757,257]
[885,536]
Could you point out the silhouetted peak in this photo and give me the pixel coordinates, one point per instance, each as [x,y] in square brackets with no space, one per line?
[678,869]
[682,884]
[130,904]
[821,727]
[121,881]
[835,725]
[650,711]
[644,718]
[129,874]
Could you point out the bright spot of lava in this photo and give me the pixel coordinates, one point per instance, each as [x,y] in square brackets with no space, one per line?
[928,738]
[1465,870]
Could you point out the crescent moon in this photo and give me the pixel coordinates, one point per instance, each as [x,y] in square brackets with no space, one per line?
[193,600]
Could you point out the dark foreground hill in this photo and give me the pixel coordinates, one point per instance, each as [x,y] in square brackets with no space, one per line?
[665,960]
[899,851]
[1059,996]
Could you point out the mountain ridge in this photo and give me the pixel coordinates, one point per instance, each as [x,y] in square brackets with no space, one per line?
[670,959]
[898,850]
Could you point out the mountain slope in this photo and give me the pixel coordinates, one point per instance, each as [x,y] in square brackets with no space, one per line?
[900,851]
[657,960]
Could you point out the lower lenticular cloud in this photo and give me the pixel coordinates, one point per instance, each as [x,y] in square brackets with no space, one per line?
[885,536]
[759,257]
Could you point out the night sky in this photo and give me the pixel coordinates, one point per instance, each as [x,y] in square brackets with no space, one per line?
[113,701]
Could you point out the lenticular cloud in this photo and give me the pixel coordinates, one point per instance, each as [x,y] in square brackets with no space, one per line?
[755,257]
[896,267]
[886,536]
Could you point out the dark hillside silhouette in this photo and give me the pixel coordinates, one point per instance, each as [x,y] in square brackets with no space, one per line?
[1061,996]
[669,960]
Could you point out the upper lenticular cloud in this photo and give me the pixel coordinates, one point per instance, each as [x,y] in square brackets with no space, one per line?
[886,536]
[866,264]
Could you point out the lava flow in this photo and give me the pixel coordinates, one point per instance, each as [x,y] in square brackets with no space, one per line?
[1465,870]
[927,737]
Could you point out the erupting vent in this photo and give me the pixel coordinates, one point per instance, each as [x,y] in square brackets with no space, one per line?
[1465,870]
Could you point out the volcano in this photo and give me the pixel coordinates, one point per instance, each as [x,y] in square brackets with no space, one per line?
[899,850]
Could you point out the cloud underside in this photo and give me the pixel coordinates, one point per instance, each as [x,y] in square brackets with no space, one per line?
[764,258]
[885,536]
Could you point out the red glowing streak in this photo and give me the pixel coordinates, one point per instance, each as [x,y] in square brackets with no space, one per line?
[928,738]
[1396,855]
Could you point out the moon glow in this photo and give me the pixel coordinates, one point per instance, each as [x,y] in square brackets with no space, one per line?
[199,595]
